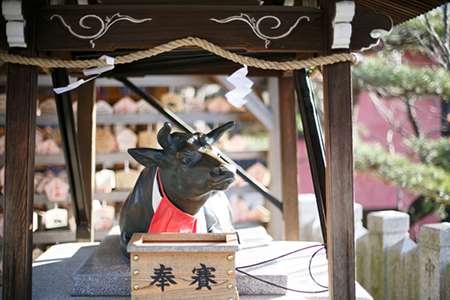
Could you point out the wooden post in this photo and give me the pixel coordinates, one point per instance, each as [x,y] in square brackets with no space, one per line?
[339,170]
[86,139]
[275,226]
[21,95]
[288,140]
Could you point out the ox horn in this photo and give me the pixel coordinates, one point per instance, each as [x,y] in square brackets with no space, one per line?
[164,137]
[214,135]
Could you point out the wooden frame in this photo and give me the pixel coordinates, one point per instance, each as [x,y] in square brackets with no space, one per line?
[307,38]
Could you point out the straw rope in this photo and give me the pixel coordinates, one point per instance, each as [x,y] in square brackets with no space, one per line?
[189,41]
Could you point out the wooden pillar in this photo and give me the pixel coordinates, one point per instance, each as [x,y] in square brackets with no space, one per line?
[21,97]
[275,226]
[86,140]
[21,93]
[339,170]
[339,181]
[288,140]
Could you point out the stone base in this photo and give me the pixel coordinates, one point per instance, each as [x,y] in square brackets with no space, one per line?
[53,271]
[107,273]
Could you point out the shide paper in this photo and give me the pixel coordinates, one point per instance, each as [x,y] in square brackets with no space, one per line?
[243,87]
[95,71]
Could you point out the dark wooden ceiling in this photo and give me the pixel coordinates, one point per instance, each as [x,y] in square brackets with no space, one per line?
[192,61]
[401,10]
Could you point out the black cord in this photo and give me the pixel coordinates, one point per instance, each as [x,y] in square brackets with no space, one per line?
[310,273]
[281,256]
[239,269]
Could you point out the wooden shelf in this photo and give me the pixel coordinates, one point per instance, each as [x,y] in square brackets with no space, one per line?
[62,236]
[119,157]
[121,195]
[114,196]
[44,120]
[156,117]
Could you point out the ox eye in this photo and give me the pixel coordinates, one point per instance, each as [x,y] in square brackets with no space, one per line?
[216,151]
[185,160]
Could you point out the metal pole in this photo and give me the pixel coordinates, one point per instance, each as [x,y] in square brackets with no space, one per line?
[314,143]
[67,127]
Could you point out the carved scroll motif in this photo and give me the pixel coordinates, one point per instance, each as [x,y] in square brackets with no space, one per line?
[368,26]
[255,26]
[104,25]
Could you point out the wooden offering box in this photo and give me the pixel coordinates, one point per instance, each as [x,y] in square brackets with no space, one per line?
[183,266]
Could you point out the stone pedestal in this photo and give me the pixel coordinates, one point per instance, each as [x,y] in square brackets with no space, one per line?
[434,258]
[412,274]
[386,228]
[362,261]
[361,242]
[397,283]
[447,282]
[55,271]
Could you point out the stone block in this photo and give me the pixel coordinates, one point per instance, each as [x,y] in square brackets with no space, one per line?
[434,258]
[396,266]
[388,221]
[412,275]
[435,235]
[105,273]
[359,228]
[447,282]
[362,261]
[247,285]
[358,213]
[386,228]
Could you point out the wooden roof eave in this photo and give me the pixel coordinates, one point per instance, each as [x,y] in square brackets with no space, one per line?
[250,28]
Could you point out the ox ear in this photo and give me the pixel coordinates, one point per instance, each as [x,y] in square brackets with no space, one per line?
[147,157]
[214,135]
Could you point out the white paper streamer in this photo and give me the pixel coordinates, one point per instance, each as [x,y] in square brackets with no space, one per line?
[243,87]
[95,71]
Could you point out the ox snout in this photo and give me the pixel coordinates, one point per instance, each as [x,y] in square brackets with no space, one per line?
[223,173]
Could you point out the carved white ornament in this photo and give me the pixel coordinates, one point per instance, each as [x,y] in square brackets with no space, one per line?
[104,25]
[15,26]
[342,29]
[255,24]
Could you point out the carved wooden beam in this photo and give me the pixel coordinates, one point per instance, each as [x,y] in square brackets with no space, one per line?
[108,27]
[253,28]
[365,36]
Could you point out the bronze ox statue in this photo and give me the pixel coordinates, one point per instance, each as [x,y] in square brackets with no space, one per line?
[192,176]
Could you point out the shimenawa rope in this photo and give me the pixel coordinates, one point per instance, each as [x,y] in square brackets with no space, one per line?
[189,41]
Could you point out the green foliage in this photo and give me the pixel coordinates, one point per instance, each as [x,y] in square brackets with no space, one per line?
[387,75]
[428,33]
[379,74]
[434,152]
[432,181]
[405,35]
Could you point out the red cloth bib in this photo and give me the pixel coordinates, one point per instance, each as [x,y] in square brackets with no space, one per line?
[168,218]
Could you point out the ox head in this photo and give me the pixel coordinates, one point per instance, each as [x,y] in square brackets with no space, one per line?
[191,169]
